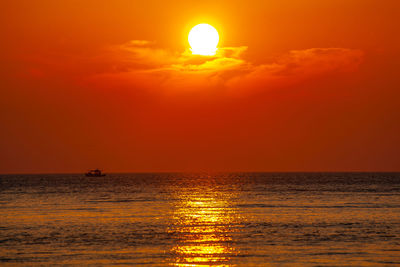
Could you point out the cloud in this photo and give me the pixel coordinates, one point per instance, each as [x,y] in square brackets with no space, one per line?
[135,43]
[140,52]
[297,66]
[140,64]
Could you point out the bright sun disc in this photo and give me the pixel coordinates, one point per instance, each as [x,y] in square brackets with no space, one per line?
[203,40]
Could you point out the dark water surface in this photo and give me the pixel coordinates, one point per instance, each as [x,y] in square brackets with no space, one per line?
[237,219]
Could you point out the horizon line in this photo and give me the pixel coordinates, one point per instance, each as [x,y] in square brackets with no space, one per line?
[187,172]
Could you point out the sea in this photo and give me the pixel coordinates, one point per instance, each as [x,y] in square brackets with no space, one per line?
[200,219]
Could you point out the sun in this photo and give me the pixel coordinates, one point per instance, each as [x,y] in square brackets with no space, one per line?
[203,39]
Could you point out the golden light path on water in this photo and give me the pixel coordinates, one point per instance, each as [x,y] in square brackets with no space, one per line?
[203,221]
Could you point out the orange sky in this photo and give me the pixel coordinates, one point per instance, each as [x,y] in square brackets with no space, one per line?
[296,86]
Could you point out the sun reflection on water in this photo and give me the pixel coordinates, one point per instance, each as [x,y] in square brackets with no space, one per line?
[203,222]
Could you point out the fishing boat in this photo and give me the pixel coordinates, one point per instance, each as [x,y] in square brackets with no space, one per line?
[95,173]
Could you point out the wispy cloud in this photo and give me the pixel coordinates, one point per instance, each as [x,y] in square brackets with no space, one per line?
[297,66]
[140,62]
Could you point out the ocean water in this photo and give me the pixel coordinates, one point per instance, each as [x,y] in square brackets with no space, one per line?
[235,219]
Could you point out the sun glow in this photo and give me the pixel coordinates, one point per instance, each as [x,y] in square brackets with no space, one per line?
[203,40]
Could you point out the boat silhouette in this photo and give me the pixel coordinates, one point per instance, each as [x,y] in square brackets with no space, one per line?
[95,173]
